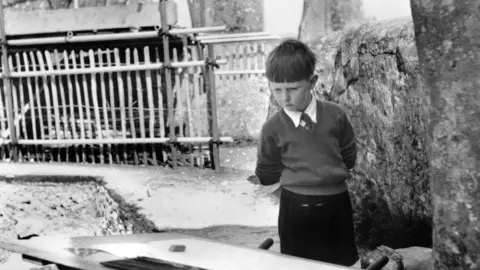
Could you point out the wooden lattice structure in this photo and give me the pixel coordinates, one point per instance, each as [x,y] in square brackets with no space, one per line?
[108,92]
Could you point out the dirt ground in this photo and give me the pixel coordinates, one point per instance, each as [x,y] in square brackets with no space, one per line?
[221,206]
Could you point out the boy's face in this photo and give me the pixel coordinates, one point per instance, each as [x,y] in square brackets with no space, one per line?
[293,96]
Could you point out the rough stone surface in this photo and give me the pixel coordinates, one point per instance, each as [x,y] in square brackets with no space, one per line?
[416,258]
[82,209]
[372,72]
[448,41]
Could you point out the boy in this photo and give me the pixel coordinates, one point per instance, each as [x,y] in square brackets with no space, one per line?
[305,153]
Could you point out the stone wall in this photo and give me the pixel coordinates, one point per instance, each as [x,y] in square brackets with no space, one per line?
[372,71]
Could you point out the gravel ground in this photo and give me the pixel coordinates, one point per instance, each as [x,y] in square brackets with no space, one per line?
[167,198]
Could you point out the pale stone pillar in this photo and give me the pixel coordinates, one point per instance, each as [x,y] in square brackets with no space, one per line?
[448,42]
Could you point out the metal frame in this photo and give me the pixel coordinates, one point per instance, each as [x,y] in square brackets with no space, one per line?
[71,38]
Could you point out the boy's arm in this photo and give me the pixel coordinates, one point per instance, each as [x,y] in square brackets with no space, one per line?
[269,166]
[348,142]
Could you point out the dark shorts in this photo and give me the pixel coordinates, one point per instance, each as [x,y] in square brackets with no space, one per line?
[317,227]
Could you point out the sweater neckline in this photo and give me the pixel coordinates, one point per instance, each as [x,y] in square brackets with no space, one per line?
[318,117]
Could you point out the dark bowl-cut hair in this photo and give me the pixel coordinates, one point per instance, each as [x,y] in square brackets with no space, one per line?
[291,61]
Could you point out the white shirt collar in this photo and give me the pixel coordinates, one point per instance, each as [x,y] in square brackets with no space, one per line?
[311,111]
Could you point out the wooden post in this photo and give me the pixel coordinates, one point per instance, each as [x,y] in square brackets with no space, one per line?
[212,111]
[168,81]
[7,84]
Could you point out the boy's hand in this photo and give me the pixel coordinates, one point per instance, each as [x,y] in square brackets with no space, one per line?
[253,179]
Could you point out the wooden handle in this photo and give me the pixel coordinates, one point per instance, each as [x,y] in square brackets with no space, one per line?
[379,264]
[266,244]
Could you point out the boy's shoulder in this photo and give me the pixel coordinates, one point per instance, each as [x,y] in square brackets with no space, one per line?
[332,107]
[273,122]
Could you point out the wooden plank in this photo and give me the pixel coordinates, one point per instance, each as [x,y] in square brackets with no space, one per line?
[70,103]
[87,102]
[3,119]
[179,110]
[160,97]
[113,105]
[186,84]
[171,113]
[46,94]
[151,106]
[121,95]
[98,120]
[25,106]
[178,91]
[212,96]
[31,100]
[65,117]
[196,101]
[130,102]
[87,19]
[38,91]
[106,125]
[80,105]
[249,56]
[138,86]
[16,105]
[200,252]
[56,112]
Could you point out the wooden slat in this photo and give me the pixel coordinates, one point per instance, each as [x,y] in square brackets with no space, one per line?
[106,125]
[263,55]
[130,102]
[31,100]
[138,85]
[23,104]
[80,105]
[46,91]
[98,120]
[179,110]
[87,102]
[171,113]
[39,90]
[234,65]
[121,95]
[196,101]
[256,59]
[65,115]
[16,114]
[249,55]
[160,97]
[3,147]
[196,98]
[56,106]
[3,118]
[186,85]
[72,117]
[113,104]
[151,106]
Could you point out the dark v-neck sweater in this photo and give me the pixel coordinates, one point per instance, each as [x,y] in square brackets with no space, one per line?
[313,162]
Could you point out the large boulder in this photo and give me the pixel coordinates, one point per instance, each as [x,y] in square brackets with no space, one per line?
[372,71]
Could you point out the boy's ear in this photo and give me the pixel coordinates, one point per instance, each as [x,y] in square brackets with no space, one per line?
[313,80]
